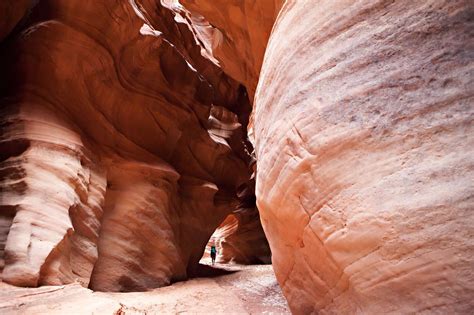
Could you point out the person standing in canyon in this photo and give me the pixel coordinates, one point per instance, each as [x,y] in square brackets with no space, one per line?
[213,254]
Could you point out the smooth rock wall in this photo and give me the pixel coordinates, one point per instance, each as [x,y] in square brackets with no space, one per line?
[363,125]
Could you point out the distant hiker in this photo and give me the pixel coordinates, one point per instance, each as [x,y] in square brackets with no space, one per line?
[213,254]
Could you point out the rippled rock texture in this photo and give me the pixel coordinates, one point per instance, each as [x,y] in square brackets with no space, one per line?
[232,34]
[240,237]
[121,152]
[364,129]
[123,145]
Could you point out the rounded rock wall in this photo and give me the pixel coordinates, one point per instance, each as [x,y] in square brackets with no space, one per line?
[363,125]
[118,158]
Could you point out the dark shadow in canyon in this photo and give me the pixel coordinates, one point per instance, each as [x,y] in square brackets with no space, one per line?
[206,271]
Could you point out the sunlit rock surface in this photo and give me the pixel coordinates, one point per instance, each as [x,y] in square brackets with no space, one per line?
[123,145]
[240,237]
[232,34]
[364,139]
[118,158]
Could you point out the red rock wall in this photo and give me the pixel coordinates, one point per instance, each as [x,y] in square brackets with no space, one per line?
[12,12]
[232,34]
[363,122]
[240,237]
[362,127]
[119,159]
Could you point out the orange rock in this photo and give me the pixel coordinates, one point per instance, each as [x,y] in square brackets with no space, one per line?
[363,124]
[240,237]
[123,146]
[118,160]
[233,35]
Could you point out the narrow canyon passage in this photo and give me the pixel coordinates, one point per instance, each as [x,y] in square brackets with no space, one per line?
[332,138]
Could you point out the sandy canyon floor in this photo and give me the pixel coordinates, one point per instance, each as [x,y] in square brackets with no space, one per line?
[225,289]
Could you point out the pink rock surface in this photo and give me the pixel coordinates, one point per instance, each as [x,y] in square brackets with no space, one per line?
[119,159]
[240,238]
[123,146]
[363,124]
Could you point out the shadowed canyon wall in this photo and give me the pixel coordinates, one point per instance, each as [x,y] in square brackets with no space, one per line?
[240,237]
[121,151]
[233,34]
[12,13]
[124,145]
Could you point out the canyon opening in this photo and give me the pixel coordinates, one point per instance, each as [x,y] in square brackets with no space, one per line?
[325,148]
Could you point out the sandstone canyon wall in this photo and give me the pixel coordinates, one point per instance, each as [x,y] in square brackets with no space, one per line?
[240,237]
[233,34]
[364,136]
[124,145]
[12,13]
[121,146]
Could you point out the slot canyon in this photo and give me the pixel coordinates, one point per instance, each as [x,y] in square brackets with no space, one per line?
[324,147]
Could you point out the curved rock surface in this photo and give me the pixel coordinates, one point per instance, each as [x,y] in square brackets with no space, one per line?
[123,145]
[119,159]
[240,238]
[232,34]
[364,138]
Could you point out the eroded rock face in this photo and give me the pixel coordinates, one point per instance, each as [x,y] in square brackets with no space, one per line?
[364,138]
[118,165]
[240,237]
[119,159]
[232,34]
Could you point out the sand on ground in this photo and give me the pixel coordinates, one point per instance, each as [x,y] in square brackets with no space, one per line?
[224,289]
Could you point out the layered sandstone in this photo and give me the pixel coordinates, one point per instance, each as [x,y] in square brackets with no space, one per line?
[123,145]
[240,237]
[119,158]
[233,34]
[364,131]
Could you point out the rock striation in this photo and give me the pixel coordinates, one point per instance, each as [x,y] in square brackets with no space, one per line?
[124,145]
[118,157]
[363,126]
[233,35]
[240,237]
